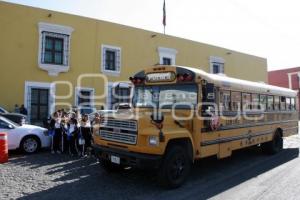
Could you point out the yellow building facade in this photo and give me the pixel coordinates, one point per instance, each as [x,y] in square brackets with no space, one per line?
[44,55]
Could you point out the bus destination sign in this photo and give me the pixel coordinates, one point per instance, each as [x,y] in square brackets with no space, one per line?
[158,77]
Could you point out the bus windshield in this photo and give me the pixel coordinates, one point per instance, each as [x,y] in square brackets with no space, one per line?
[166,96]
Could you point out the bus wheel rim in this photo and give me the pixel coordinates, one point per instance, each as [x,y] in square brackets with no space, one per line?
[177,167]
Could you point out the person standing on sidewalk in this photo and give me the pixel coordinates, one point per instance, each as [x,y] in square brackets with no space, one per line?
[72,135]
[55,124]
[96,127]
[23,110]
[64,137]
[17,109]
[85,133]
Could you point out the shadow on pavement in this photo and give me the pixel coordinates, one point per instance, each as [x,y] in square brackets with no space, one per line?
[85,179]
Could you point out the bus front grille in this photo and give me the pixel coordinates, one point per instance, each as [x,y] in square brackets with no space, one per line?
[118,137]
[121,124]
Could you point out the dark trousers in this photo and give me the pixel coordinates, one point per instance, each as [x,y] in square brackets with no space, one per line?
[65,142]
[86,133]
[72,144]
[57,139]
[88,142]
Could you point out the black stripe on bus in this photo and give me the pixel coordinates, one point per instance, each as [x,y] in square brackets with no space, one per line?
[229,127]
[240,137]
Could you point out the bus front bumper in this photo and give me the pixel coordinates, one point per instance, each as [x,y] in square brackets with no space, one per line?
[132,159]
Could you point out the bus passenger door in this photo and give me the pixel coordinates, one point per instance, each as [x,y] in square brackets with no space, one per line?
[209,112]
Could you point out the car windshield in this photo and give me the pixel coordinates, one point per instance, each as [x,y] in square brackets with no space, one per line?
[2,110]
[166,96]
[7,121]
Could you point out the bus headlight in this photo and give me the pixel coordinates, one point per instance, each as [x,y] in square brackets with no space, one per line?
[153,140]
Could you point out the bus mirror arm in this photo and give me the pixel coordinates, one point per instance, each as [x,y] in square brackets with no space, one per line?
[157,121]
[161,136]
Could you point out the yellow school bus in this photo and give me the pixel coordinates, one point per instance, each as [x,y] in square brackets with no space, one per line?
[181,114]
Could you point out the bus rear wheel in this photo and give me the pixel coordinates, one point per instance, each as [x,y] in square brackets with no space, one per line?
[274,146]
[175,167]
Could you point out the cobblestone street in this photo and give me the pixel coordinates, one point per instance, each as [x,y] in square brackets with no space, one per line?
[248,174]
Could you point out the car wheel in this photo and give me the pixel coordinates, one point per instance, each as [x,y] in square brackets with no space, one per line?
[30,145]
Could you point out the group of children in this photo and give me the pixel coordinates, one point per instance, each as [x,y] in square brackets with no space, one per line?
[72,133]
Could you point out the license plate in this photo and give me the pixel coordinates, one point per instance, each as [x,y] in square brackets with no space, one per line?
[115,159]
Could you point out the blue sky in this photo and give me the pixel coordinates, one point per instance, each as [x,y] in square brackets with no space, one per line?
[268,28]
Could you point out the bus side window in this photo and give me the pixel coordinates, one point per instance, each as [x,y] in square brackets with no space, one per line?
[255,101]
[224,100]
[263,102]
[236,101]
[246,101]
[270,102]
[282,103]
[288,103]
[293,105]
[276,102]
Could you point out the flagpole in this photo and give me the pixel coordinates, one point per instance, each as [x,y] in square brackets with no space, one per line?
[164,17]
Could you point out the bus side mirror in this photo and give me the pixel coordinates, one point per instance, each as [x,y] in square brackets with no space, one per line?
[209,92]
[208,96]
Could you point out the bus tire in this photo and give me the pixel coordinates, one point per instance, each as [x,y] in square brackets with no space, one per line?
[274,146]
[175,167]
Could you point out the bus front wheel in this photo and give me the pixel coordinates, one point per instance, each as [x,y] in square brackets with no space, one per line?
[175,167]
[273,146]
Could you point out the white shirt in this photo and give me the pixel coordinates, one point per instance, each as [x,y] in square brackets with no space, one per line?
[57,123]
[72,128]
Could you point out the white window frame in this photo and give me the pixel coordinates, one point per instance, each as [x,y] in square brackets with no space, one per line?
[213,60]
[118,60]
[79,89]
[54,70]
[290,78]
[42,85]
[164,52]
[109,95]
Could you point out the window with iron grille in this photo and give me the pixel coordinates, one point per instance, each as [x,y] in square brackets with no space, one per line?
[84,98]
[111,59]
[217,68]
[167,61]
[167,56]
[55,48]
[216,65]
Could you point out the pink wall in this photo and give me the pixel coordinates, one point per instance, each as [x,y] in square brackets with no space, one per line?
[280,78]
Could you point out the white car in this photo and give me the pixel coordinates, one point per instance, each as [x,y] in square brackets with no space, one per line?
[28,138]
